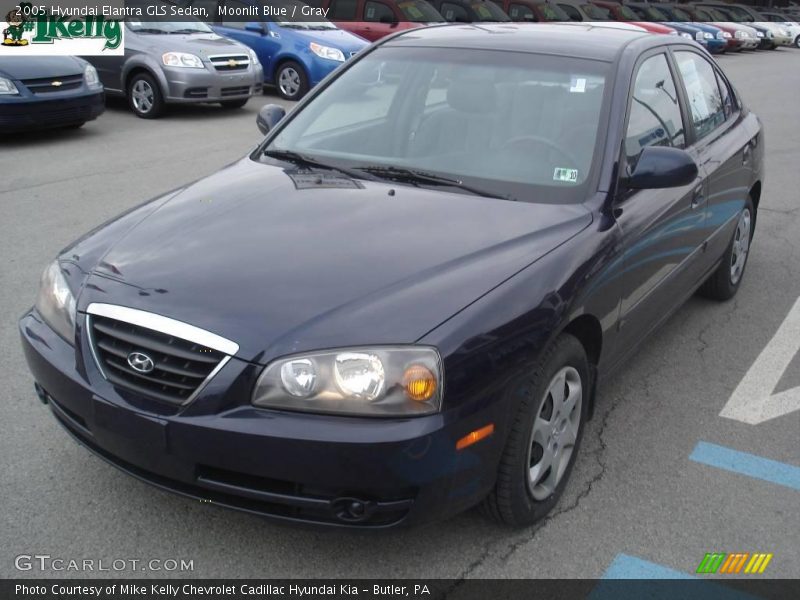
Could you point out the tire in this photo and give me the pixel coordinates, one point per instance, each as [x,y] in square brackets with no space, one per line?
[233,104]
[144,96]
[525,489]
[291,81]
[797,42]
[725,281]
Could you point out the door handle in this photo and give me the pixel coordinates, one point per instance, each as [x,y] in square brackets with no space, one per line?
[697,197]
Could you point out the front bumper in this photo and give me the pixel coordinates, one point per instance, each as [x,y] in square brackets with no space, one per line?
[31,112]
[287,466]
[206,85]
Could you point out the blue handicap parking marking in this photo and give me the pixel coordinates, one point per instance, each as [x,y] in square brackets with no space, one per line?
[632,578]
[747,464]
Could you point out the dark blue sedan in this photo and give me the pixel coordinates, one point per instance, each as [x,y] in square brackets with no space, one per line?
[40,92]
[402,303]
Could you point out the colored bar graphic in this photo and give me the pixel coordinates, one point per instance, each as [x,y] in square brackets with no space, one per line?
[747,464]
[732,564]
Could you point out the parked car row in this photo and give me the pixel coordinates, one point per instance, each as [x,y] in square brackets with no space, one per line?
[228,60]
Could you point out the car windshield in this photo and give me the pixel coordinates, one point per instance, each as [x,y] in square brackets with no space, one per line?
[301,16]
[486,10]
[739,14]
[551,12]
[419,11]
[168,27]
[595,13]
[514,125]
[679,15]
[627,13]
[655,14]
[710,14]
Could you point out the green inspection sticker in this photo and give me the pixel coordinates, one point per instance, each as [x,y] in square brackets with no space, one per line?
[569,175]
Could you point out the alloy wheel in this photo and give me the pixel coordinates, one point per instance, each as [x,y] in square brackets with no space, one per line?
[289,82]
[143,96]
[741,246]
[555,433]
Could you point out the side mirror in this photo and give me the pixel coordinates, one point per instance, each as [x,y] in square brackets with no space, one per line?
[269,116]
[662,167]
[255,27]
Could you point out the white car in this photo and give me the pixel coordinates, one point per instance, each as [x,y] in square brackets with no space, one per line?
[793,27]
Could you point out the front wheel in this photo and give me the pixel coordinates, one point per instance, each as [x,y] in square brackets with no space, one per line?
[144,97]
[797,41]
[724,282]
[552,406]
[292,81]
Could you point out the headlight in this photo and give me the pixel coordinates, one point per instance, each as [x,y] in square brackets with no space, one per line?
[7,87]
[760,34]
[56,303]
[326,52]
[673,32]
[783,33]
[91,78]
[708,36]
[381,381]
[182,59]
[688,36]
[726,35]
[770,34]
[254,58]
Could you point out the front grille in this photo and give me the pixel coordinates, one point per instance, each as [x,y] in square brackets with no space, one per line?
[44,85]
[235,91]
[230,62]
[180,368]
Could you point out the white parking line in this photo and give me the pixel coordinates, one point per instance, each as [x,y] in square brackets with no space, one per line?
[752,401]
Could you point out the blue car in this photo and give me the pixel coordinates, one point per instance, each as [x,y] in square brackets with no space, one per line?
[297,54]
[712,38]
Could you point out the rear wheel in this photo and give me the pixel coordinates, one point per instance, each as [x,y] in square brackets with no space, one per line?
[232,104]
[724,282]
[797,41]
[144,97]
[545,436]
[291,80]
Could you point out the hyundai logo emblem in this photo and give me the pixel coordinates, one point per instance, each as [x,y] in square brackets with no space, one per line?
[140,362]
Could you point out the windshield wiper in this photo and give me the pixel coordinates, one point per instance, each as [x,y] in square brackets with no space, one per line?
[414,176]
[307,161]
[189,31]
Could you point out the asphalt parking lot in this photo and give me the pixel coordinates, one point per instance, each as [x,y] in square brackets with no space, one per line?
[644,494]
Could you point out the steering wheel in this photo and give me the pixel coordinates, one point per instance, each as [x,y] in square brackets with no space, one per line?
[542,141]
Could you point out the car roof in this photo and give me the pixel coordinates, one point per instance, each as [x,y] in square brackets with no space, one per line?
[577,40]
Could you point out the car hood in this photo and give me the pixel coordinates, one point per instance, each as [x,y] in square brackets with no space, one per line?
[280,263]
[202,44]
[33,67]
[337,38]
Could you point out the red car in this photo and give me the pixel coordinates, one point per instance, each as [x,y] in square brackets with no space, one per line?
[700,15]
[374,19]
[622,13]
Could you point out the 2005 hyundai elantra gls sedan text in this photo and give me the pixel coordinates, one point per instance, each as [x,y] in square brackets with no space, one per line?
[401,303]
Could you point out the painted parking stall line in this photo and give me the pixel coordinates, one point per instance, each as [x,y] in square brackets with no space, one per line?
[752,401]
[747,464]
[633,578]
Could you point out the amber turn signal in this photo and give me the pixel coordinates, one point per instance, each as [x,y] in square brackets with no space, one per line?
[419,383]
[475,436]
